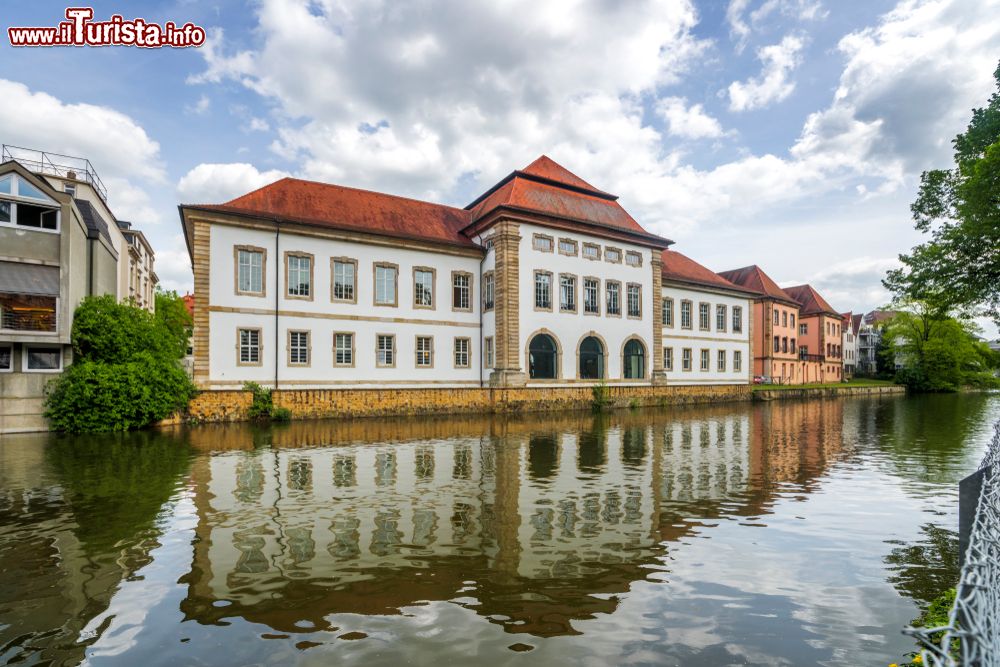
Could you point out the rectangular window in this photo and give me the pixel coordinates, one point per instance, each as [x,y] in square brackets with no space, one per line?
[461,353]
[721,361]
[613,291]
[668,358]
[777,318]
[298,348]
[591,296]
[803,329]
[249,271]
[703,316]
[42,359]
[792,320]
[737,319]
[686,359]
[343,349]
[489,290]
[6,358]
[488,352]
[704,360]
[777,344]
[613,255]
[543,290]
[69,189]
[385,350]
[784,318]
[249,347]
[385,284]
[720,318]
[793,345]
[567,293]
[634,300]
[567,247]
[541,242]
[344,280]
[488,243]
[298,276]
[423,287]
[591,251]
[425,351]
[633,258]
[668,312]
[461,292]
[784,344]
[686,314]
[737,361]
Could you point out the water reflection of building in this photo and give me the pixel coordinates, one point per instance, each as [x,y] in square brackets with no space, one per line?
[534,520]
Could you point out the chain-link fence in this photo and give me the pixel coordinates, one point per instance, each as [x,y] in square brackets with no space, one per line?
[974,622]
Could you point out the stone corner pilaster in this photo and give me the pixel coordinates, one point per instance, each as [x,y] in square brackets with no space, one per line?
[659,378]
[507,379]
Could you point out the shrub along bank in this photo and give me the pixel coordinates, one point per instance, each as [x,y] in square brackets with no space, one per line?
[126,371]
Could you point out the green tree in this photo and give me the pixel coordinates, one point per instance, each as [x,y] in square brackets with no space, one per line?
[959,266]
[126,371]
[937,352]
[173,316]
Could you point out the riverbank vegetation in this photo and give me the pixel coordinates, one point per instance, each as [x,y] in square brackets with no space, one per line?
[935,351]
[856,382]
[262,406]
[126,371]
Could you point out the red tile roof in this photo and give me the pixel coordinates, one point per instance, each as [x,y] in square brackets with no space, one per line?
[754,279]
[856,323]
[812,303]
[681,268]
[546,188]
[188,300]
[543,187]
[351,209]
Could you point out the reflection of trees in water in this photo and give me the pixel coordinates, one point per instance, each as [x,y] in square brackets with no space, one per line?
[925,569]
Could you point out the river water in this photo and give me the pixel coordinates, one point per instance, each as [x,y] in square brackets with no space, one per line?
[787,533]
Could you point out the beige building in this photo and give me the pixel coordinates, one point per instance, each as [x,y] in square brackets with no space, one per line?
[59,243]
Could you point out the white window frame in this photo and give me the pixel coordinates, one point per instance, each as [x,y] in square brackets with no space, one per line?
[593,287]
[612,306]
[240,346]
[383,272]
[261,253]
[421,288]
[25,355]
[668,359]
[488,352]
[543,289]
[385,356]
[636,290]
[467,352]
[16,197]
[737,319]
[343,263]
[721,317]
[489,290]
[292,334]
[10,366]
[417,352]
[737,361]
[567,293]
[633,258]
[349,350]
[705,360]
[720,361]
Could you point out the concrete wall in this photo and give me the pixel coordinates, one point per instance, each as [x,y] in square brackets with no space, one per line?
[22,396]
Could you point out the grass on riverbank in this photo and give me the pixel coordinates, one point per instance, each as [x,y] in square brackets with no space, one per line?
[858,382]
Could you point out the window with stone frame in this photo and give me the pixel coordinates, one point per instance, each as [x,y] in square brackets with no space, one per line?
[462,352]
[737,361]
[249,346]
[425,352]
[298,348]
[488,360]
[385,350]
[343,349]
[567,293]
[423,287]
[345,276]
[489,290]
[668,358]
[634,294]
[668,312]
[386,276]
[737,319]
[721,315]
[686,307]
[461,284]
[703,316]
[705,360]
[686,359]
[613,298]
[543,290]
[591,296]
[721,361]
[298,276]
[250,271]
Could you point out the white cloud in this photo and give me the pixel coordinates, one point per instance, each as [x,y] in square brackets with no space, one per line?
[687,122]
[218,183]
[120,150]
[773,84]
[173,265]
[258,125]
[742,26]
[739,29]
[201,107]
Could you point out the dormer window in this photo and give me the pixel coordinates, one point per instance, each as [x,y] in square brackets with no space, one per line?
[70,189]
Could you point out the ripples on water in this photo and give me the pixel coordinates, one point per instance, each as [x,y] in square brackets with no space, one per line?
[787,533]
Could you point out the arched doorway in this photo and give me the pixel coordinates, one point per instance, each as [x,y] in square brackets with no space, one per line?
[634,360]
[542,356]
[591,359]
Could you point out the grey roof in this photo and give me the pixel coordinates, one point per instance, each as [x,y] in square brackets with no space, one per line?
[23,278]
[96,225]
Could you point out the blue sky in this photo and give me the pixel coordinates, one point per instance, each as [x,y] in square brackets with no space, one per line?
[786,133]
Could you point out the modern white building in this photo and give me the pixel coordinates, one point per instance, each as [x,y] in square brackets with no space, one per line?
[706,325]
[850,342]
[59,243]
[543,280]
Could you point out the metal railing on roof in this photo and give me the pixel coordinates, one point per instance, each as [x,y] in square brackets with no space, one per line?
[56,164]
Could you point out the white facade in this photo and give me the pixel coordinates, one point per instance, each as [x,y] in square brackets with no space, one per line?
[728,348]
[321,316]
[849,345]
[570,326]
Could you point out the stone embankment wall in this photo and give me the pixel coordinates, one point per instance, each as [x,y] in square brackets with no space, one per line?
[222,406]
[821,392]
[231,406]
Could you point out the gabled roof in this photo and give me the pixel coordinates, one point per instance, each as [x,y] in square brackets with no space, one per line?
[351,209]
[754,279]
[546,188]
[879,316]
[856,323]
[811,301]
[681,268]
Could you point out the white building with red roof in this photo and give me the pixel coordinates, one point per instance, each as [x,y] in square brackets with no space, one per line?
[543,280]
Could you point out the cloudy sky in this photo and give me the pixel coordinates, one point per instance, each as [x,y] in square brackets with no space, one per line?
[786,133]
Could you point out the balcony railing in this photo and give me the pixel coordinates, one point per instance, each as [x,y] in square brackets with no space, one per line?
[811,357]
